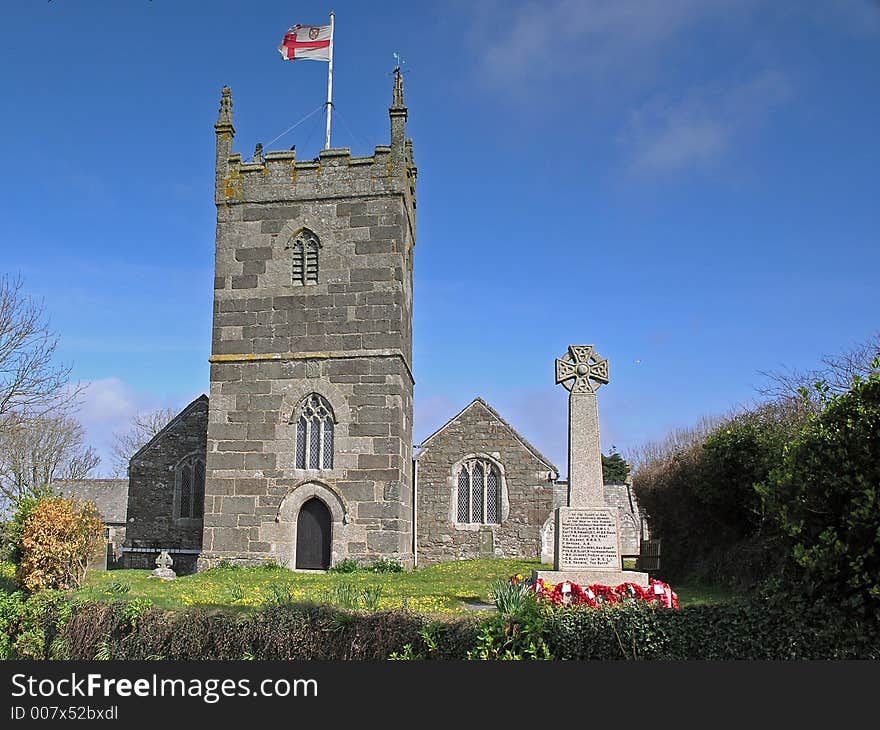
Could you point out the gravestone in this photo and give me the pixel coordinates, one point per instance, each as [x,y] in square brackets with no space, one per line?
[487,543]
[587,533]
[163,567]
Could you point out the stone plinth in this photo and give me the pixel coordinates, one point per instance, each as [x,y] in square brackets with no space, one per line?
[588,550]
[611,578]
[586,539]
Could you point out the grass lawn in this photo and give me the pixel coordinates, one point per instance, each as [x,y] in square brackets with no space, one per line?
[438,589]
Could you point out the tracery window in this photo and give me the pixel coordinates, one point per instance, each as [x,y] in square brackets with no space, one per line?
[305,258]
[314,434]
[479,493]
[190,485]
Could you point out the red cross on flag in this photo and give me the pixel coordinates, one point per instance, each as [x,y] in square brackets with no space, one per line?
[307,42]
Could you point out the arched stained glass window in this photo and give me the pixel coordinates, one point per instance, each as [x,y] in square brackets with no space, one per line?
[464,496]
[478,499]
[478,490]
[190,487]
[493,497]
[314,434]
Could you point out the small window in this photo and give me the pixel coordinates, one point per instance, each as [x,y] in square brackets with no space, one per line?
[190,486]
[479,493]
[305,248]
[314,434]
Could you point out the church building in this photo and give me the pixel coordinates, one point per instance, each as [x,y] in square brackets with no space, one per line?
[302,451]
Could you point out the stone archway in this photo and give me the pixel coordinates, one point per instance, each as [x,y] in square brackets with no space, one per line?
[283,533]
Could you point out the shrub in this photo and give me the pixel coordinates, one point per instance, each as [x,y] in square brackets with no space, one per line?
[519,635]
[386,565]
[59,538]
[825,497]
[13,529]
[349,565]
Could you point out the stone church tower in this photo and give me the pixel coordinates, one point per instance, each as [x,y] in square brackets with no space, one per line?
[309,444]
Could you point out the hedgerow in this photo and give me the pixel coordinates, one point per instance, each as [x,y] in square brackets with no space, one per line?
[48,625]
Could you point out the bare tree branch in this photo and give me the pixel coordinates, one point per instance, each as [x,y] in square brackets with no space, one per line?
[142,428]
[675,442]
[836,371]
[31,383]
[36,452]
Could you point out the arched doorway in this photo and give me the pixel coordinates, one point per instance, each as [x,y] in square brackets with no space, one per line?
[313,536]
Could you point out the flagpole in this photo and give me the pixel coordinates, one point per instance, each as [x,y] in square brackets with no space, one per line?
[330,82]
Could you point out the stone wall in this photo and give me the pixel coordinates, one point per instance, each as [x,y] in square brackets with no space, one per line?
[151,520]
[347,337]
[529,495]
[622,497]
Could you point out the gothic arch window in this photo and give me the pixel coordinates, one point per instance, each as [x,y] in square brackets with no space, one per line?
[314,433]
[305,247]
[479,493]
[189,480]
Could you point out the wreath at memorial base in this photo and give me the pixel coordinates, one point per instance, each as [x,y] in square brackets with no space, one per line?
[569,593]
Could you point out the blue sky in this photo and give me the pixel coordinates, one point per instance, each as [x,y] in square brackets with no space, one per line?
[691,185]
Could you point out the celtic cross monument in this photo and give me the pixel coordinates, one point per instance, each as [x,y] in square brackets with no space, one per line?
[581,372]
[587,539]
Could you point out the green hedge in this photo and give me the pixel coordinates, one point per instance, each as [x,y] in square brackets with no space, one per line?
[702,502]
[746,630]
[50,626]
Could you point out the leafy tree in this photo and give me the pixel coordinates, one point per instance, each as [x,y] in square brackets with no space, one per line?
[614,469]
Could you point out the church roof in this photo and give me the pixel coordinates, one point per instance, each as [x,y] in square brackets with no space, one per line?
[517,436]
[173,422]
[109,495]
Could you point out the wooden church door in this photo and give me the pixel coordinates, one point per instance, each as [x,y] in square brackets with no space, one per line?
[313,535]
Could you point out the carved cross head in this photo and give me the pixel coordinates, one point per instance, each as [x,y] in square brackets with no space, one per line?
[164,560]
[581,370]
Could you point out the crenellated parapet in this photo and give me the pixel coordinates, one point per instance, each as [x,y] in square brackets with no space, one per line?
[278,176]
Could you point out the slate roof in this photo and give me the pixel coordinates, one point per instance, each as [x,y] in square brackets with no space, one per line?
[110,496]
[513,432]
[168,426]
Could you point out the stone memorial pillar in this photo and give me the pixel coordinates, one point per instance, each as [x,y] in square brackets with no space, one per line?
[587,537]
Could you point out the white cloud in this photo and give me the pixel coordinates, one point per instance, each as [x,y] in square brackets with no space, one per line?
[701,126]
[106,406]
[574,37]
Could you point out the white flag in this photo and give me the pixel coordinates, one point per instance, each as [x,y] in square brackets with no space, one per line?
[307,42]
